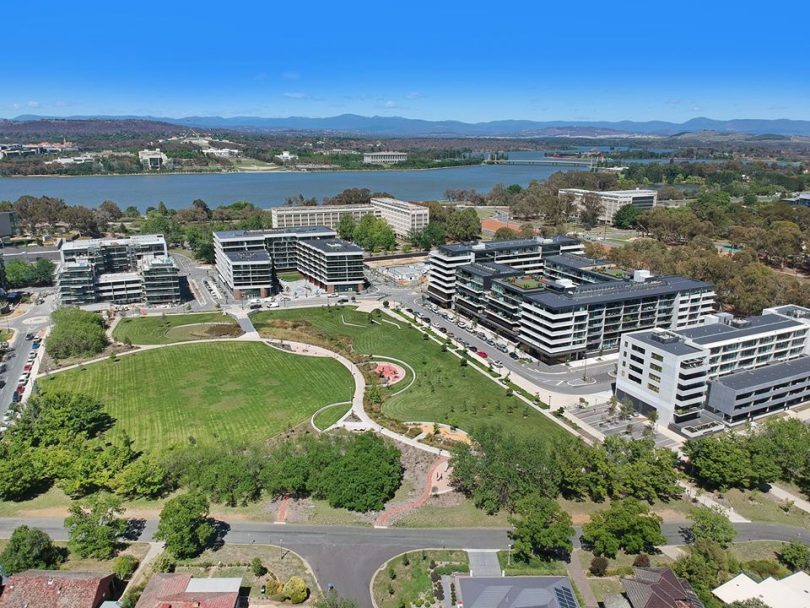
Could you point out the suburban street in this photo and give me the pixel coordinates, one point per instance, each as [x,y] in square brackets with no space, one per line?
[347,557]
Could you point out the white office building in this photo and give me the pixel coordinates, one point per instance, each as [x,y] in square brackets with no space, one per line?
[613,200]
[728,370]
[384,158]
[153,160]
[403,217]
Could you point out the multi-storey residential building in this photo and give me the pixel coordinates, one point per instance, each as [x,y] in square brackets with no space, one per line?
[121,271]
[504,303]
[523,254]
[732,369]
[403,217]
[567,321]
[580,269]
[247,260]
[8,224]
[384,158]
[473,283]
[613,200]
[332,264]
[320,215]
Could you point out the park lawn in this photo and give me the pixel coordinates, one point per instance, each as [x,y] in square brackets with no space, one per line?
[166,329]
[220,392]
[443,391]
[234,561]
[323,420]
[412,581]
[290,276]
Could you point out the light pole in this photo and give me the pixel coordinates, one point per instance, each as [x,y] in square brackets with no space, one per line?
[509,557]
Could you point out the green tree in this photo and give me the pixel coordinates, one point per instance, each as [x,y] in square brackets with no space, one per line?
[505,234]
[711,524]
[706,565]
[184,525]
[94,526]
[29,548]
[295,590]
[346,226]
[463,225]
[541,529]
[124,567]
[795,556]
[142,478]
[627,524]
[627,217]
[590,209]
[729,460]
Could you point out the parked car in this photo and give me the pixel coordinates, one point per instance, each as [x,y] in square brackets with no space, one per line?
[514,355]
[2,383]
[29,335]
[497,364]
[35,345]
[27,368]
[482,354]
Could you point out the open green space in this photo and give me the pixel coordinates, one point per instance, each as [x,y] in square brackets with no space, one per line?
[756,506]
[405,580]
[443,390]
[290,276]
[326,418]
[215,391]
[536,567]
[166,329]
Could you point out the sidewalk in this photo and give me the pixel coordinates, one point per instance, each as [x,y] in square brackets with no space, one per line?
[783,495]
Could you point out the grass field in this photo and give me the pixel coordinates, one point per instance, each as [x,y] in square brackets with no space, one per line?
[166,329]
[331,415]
[224,392]
[443,390]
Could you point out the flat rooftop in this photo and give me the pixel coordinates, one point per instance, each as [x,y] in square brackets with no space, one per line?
[488,269]
[395,202]
[506,245]
[616,291]
[118,277]
[612,192]
[140,239]
[675,346]
[236,234]
[577,261]
[526,282]
[333,246]
[752,326]
[766,374]
[323,208]
[259,255]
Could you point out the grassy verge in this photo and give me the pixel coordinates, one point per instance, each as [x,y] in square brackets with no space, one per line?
[326,418]
[443,390]
[464,515]
[622,564]
[405,580]
[223,392]
[756,506]
[165,329]
[534,568]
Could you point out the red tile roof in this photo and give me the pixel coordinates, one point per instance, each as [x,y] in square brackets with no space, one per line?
[659,588]
[169,591]
[53,589]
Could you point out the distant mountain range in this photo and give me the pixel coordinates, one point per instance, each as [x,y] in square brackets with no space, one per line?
[397,126]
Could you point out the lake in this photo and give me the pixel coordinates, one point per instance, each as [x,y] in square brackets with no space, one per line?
[266,189]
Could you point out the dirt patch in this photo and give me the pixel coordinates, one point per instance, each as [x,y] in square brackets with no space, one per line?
[447,433]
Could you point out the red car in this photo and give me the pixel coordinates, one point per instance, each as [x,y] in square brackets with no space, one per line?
[482,354]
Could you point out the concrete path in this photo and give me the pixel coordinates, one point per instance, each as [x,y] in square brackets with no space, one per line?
[577,575]
[401,509]
[693,493]
[155,549]
[783,495]
[484,563]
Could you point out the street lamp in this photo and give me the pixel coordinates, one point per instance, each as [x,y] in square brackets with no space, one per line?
[509,557]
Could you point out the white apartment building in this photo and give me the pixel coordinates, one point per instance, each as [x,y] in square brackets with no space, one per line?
[729,370]
[613,200]
[286,157]
[566,321]
[402,216]
[384,158]
[523,254]
[153,160]
[332,264]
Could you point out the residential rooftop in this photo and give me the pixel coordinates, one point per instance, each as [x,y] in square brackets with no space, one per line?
[721,332]
[488,269]
[517,592]
[138,239]
[293,230]
[333,246]
[258,255]
[577,261]
[775,372]
[669,342]
[637,192]
[508,244]
[525,282]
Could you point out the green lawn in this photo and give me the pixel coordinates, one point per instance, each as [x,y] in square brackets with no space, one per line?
[331,415]
[756,506]
[411,578]
[290,276]
[443,390]
[536,567]
[166,329]
[225,391]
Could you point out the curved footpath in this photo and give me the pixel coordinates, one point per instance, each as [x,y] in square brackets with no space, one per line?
[347,556]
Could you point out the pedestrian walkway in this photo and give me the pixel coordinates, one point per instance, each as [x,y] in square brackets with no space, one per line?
[484,563]
[783,495]
[437,477]
[154,550]
[577,576]
[694,494]
[281,514]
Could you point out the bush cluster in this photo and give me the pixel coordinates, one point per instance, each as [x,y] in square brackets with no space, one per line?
[76,333]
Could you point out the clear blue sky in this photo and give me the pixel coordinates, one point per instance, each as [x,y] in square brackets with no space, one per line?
[472,61]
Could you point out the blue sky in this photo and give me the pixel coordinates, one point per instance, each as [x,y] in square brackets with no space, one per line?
[470,61]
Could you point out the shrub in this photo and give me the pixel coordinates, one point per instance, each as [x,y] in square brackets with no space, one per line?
[642,560]
[432,564]
[405,561]
[124,567]
[599,566]
[278,597]
[296,590]
[449,569]
[764,568]
[795,556]
[76,333]
[164,563]
[434,576]
[391,574]
[257,567]
[132,596]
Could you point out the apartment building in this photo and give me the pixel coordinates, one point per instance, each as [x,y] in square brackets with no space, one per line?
[580,269]
[384,158]
[153,160]
[120,271]
[526,255]
[613,200]
[332,264]
[566,321]
[247,260]
[402,216]
[321,215]
[729,370]
[473,283]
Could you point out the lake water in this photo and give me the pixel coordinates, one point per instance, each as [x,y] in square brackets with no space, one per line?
[267,189]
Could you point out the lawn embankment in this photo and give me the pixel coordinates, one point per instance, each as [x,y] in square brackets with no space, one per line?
[224,391]
[442,391]
[167,329]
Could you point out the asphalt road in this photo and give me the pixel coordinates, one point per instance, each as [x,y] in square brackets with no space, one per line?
[347,557]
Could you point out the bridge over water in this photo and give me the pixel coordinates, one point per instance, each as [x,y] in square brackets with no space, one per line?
[553,162]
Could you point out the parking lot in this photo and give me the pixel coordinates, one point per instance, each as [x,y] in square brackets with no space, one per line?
[636,426]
